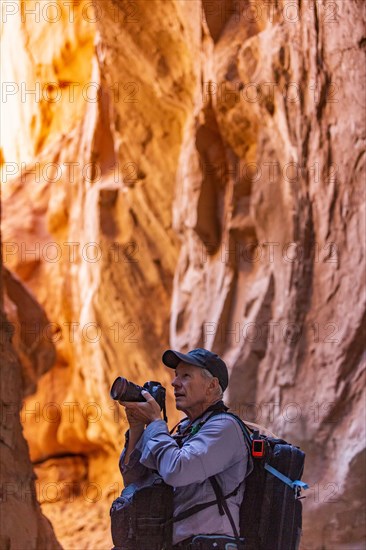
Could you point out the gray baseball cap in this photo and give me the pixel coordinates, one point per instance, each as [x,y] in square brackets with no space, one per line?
[199,357]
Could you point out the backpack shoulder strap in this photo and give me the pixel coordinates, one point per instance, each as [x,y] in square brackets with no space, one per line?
[198,507]
[222,504]
[247,432]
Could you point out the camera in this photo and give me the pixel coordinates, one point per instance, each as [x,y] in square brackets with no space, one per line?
[124,390]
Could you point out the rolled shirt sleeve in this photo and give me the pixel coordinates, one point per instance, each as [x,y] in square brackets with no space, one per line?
[218,445]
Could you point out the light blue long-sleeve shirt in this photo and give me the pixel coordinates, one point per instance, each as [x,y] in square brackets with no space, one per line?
[217,449]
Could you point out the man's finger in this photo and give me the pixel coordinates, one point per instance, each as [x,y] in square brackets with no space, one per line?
[128,405]
[147,395]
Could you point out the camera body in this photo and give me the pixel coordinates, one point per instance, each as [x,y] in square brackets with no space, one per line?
[157,391]
[124,390]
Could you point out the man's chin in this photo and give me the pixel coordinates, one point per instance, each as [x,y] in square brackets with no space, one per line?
[179,403]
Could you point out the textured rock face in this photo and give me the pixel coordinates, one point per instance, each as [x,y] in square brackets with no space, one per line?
[272,277]
[22,523]
[216,184]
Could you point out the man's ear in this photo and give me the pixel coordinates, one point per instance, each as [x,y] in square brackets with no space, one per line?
[214,384]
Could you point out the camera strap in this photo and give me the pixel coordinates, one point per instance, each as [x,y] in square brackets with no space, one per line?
[219,406]
[164,412]
[191,429]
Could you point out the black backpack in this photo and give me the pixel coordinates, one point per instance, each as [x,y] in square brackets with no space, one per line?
[271,510]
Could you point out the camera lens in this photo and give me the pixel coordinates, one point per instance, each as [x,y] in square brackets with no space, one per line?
[118,388]
[124,390]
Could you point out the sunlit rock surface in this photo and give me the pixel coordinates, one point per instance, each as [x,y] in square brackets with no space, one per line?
[210,194]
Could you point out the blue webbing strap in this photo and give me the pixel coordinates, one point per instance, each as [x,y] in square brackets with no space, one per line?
[287,480]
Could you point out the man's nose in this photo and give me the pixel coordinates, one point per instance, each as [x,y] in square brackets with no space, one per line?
[175,382]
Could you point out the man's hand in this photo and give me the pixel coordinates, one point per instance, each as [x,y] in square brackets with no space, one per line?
[135,423]
[142,413]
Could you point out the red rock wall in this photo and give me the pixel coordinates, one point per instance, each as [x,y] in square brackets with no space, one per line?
[271,269]
[22,525]
[219,173]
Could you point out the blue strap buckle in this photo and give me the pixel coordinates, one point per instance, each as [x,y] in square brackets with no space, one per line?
[296,485]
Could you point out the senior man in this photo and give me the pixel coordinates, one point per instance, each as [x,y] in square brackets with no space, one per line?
[208,443]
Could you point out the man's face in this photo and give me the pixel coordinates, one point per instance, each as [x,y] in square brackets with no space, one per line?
[191,389]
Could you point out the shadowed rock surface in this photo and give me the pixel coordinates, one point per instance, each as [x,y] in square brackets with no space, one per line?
[22,524]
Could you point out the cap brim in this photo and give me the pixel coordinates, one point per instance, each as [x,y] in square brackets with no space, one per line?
[172,359]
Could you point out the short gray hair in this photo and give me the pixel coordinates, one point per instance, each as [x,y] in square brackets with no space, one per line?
[207,374]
